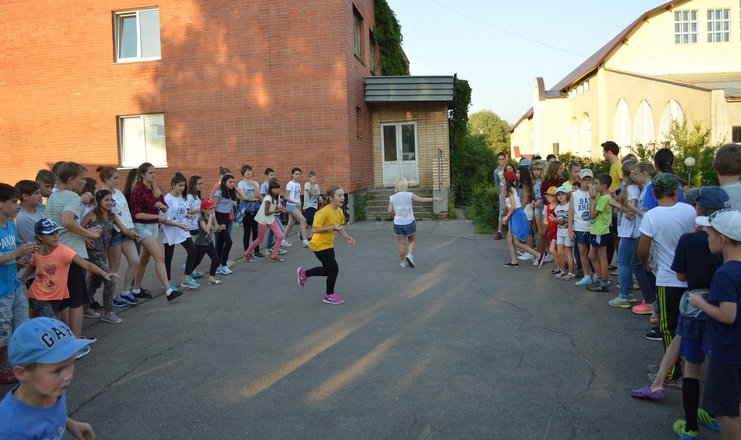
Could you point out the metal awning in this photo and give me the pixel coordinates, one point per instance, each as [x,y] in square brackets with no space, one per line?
[385,89]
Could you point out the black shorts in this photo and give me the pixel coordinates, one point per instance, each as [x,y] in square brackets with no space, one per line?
[77,285]
[722,389]
[309,215]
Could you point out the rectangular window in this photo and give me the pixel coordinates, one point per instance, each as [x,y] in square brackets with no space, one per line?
[358,31]
[137,35]
[685,27]
[719,25]
[736,135]
[372,41]
[142,139]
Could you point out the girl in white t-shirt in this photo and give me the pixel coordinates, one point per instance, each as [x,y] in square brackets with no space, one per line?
[265,219]
[405,226]
[293,205]
[626,229]
[564,245]
[515,219]
[312,196]
[580,220]
[178,231]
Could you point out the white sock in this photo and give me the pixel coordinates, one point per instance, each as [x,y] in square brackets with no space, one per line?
[168,291]
[125,292]
[135,291]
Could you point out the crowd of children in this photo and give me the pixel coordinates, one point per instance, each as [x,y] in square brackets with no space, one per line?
[682,252]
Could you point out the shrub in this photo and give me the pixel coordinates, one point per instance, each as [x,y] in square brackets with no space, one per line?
[483,210]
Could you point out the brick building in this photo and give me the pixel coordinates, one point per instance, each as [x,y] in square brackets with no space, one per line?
[189,85]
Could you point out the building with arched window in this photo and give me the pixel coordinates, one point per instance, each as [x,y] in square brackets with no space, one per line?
[676,62]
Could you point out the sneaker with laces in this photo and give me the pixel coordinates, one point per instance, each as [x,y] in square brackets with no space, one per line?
[190,284]
[643,308]
[197,274]
[285,244]
[142,294]
[706,420]
[258,255]
[403,264]
[653,334]
[680,429]
[174,294]
[583,282]
[619,302]
[306,243]
[119,303]
[410,260]
[90,313]
[333,299]
[301,276]
[632,298]
[525,257]
[653,368]
[129,299]
[672,383]
[548,258]
[225,270]
[111,318]
[83,352]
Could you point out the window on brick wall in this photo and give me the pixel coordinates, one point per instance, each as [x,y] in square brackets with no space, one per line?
[358,33]
[719,25]
[137,35]
[142,139]
[372,55]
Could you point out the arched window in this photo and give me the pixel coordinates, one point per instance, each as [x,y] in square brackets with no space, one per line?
[586,134]
[644,130]
[574,134]
[672,112]
[621,126]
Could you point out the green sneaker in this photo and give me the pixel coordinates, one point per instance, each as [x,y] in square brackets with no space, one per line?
[679,428]
[619,302]
[706,420]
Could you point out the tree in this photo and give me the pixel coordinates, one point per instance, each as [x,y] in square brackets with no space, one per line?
[388,37]
[494,129]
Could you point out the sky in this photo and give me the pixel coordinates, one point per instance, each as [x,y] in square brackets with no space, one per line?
[501,46]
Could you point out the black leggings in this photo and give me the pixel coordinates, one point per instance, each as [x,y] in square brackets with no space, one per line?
[190,248]
[224,243]
[329,268]
[250,231]
[211,251]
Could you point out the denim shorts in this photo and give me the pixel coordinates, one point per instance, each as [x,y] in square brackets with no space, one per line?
[582,237]
[599,240]
[566,241]
[538,210]
[146,230]
[118,239]
[13,312]
[405,230]
[291,207]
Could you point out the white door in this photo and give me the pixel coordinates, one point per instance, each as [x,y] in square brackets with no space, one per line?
[399,146]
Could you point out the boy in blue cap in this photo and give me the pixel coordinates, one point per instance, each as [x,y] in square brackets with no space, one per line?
[42,352]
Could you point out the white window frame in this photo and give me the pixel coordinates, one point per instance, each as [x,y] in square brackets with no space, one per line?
[719,25]
[685,26]
[132,159]
[117,16]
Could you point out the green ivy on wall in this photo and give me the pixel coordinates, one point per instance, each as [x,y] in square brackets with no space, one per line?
[388,38]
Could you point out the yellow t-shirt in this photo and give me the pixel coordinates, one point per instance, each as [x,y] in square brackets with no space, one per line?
[324,217]
[616,172]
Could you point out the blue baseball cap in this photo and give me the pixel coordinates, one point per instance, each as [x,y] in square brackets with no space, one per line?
[43,341]
[46,226]
[713,197]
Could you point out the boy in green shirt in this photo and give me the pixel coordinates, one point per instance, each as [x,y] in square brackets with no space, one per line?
[600,231]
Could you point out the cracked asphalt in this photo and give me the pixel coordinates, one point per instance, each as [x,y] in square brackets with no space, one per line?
[457,348]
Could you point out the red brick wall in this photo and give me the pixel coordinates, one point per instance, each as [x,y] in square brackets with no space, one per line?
[265,82]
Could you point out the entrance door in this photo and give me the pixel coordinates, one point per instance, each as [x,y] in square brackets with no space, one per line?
[399,146]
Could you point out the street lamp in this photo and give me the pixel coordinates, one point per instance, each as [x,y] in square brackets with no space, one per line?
[689,162]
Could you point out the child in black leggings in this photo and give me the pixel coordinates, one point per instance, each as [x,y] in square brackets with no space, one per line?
[328,221]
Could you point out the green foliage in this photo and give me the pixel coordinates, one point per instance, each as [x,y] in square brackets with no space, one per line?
[494,129]
[388,38]
[597,166]
[360,201]
[483,210]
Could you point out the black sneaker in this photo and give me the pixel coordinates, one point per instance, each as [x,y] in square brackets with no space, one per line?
[653,334]
[144,293]
[174,294]
[258,255]
[511,265]
[95,305]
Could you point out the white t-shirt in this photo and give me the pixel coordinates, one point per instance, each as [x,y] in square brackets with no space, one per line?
[177,211]
[626,228]
[665,225]
[518,203]
[309,200]
[121,209]
[582,217]
[193,202]
[260,217]
[403,211]
[294,192]
[562,214]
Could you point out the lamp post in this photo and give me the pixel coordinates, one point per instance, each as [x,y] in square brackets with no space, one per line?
[689,162]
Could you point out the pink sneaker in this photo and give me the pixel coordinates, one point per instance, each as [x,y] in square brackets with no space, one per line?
[333,299]
[643,308]
[301,276]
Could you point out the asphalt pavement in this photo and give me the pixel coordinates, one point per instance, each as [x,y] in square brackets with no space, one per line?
[459,347]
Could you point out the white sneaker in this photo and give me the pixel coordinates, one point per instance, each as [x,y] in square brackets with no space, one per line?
[306,243]
[285,244]
[403,264]
[410,260]
[525,257]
